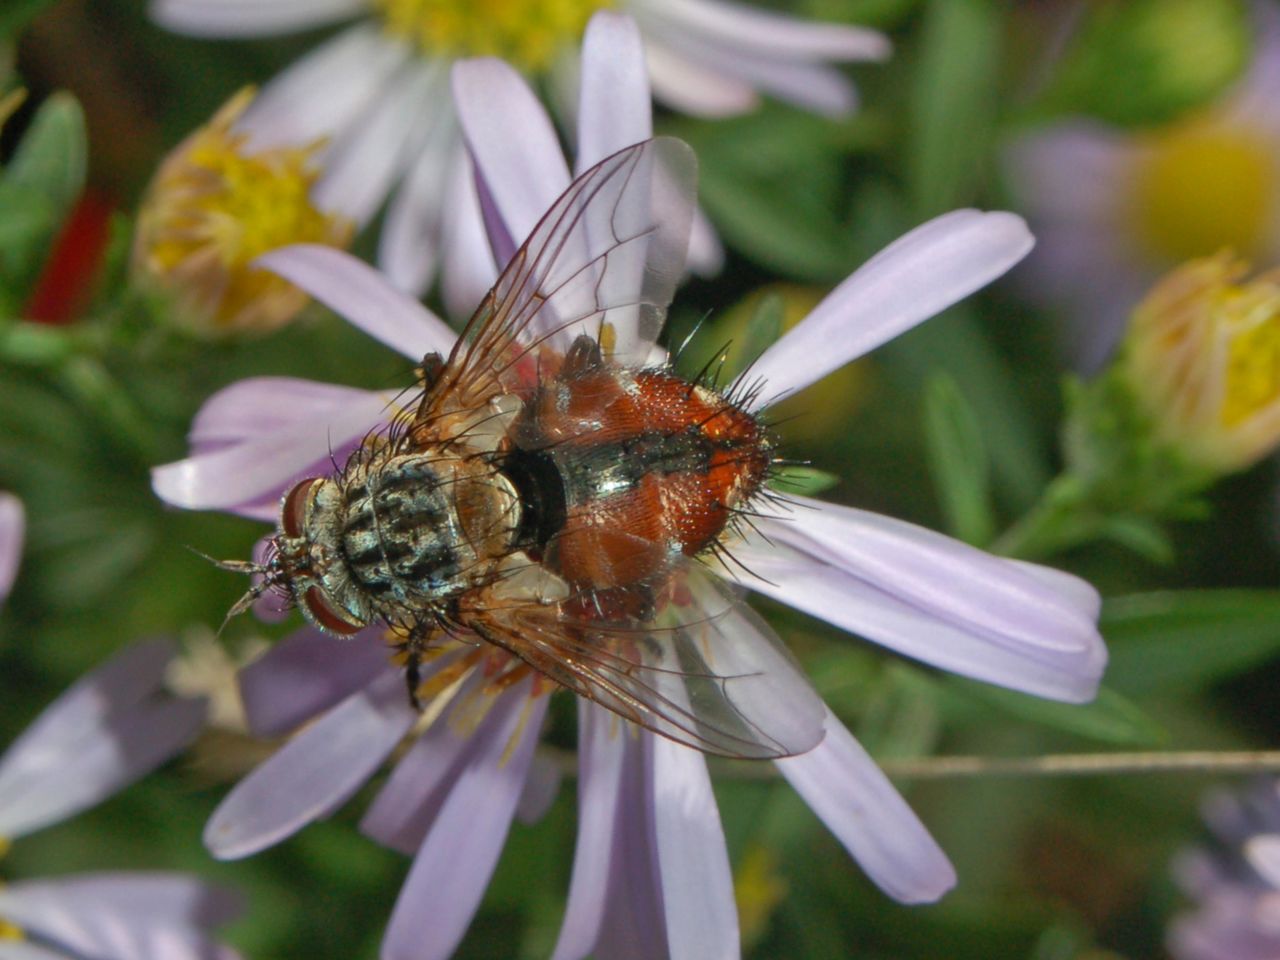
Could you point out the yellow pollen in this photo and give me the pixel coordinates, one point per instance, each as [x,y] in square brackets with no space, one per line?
[1253,356]
[214,207]
[1202,187]
[528,33]
[1203,353]
[10,931]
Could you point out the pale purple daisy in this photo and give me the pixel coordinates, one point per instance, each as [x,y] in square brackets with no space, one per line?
[651,875]
[1114,210]
[378,94]
[1235,883]
[112,727]
[12,527]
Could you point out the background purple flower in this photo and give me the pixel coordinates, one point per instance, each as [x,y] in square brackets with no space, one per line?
[112,727]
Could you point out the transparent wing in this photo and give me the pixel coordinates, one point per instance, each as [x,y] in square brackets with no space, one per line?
[705,671]
[604,261]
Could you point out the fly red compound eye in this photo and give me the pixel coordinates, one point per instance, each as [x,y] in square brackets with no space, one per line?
[294,512]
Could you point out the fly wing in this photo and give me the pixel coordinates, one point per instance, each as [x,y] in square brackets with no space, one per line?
[705,671]
[604,261]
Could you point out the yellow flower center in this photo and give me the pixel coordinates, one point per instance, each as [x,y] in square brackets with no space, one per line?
[214,207]
[527,33]
[9,931]
[1203,351]
[1204,187]
[1253,354]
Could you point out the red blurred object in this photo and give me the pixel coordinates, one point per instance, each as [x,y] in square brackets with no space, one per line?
[64,286]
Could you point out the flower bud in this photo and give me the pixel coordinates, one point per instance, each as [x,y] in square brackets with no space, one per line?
[214,206]
[1202,356]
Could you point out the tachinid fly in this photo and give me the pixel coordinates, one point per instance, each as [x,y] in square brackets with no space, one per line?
[554,491]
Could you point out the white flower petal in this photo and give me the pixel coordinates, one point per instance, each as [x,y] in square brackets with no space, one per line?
[325,95]
[602,748]
[813,86]
[359,169]
[317,769]
[1073,172]
[915,277]
[409,246]
[251,477]
[154,896]
[686,86]
[706,252]
[259,407]
[12,528]
[129,744]
[362,295]
[614,103]
[512,142]
[99,736]
[469,267]
[541,787]
[839,598]
[852,796]
[461,849]
[85,917]
[306,673]
[759,34]
[952,580]
[697,883]
[249,18]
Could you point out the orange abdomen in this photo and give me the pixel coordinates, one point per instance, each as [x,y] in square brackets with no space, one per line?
[651,468]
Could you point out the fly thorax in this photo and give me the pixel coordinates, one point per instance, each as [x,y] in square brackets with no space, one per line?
[422,527]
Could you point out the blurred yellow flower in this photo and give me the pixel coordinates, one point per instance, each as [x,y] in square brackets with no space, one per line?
[1202,354]
[213,208]
[529,34]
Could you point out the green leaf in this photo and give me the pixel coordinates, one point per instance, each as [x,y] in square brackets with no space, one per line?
[52,157]
[958,461]
[1171,641]
[16,14]
[952,102]
[773,182]
[1149,61]
[1110,718]
[954,342]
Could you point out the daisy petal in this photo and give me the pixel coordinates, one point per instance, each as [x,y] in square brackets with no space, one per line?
[409,246]
[12,527]
[839,597]
[758,34]
[697,884]
[845,788]
[461,849]
[635,923]
[98,916]
[174,897]
[469,263]
[106,759]
[306,673]
[541,787]
[690,88]
[360,293]
[909,281]
[26,950]
[602,747]
[249,18]
[323,96]
[251,477]
[313,772]
[813,86]
[512,142]
[259,407]
[614,101]
[359,170]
